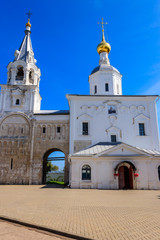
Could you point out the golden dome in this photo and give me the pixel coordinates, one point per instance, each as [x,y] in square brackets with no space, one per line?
[28,24]
[103,46]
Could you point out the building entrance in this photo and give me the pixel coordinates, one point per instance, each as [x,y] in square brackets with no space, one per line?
[125,177]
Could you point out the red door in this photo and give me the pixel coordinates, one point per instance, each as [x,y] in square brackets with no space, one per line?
[121,177]
[125,177]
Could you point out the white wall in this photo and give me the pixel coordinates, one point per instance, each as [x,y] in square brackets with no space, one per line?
[130,111]
[102,173]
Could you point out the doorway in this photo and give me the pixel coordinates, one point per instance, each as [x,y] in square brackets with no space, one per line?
[125,177]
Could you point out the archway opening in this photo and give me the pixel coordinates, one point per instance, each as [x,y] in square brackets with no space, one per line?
[53,167]
[125,177]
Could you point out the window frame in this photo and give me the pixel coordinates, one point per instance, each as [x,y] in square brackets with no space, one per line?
[115,137]
[17,102]
[85,132]
[141,130]
[85,175]
[106,87]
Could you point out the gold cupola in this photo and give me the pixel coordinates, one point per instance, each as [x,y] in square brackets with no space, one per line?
[103,46]
[28,23]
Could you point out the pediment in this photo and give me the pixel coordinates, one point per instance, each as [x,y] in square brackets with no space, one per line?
[141,116]
[112,129]
[122,150]
[84,115]
[17,91]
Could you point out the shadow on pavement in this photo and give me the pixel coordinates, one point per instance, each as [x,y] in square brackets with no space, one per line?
[54,186]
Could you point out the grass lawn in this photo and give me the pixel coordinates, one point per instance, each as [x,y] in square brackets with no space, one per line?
[55,182]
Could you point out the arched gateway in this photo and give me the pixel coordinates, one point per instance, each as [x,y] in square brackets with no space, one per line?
[47,158]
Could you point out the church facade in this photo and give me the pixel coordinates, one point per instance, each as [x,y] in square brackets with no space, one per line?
[110,140]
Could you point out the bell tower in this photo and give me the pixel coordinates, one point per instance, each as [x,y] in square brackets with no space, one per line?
[21,93]
[105,79]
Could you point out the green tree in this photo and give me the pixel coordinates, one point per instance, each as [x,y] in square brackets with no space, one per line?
[51,167]
[55,168]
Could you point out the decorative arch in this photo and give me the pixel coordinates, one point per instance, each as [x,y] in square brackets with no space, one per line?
[125,171]
[123,163]
[16,114]
[12,124]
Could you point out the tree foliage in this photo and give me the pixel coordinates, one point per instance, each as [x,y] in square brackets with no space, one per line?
[51,167]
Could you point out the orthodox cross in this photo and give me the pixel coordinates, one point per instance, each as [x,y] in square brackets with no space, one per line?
[29,14]
[102,24]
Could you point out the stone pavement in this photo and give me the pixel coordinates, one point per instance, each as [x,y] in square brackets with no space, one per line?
[10,231]
[93,214]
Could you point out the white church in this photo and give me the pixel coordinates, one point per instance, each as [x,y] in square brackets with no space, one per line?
[110,140]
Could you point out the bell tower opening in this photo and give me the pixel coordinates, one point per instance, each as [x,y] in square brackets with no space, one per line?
[20,73]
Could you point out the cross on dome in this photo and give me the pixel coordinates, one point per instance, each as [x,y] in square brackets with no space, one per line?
[102,23]
[103,46]
[29,14]
[28,23]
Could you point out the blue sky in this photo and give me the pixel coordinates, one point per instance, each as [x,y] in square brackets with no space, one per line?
[65,35]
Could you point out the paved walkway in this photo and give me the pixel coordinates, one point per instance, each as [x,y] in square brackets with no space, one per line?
[10,231]
[94,214]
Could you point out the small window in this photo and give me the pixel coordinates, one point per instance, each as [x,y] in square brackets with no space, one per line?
[86,172]
[17,102]
[95,89]
[113,138]
[11,163]
[21,130]
[141,129]
[58,129]
[85,128]
[106,87]
[159,173]
[111,110]
[44,130]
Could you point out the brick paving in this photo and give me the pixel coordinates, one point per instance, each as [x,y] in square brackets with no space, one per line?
[10,231]
[94,214]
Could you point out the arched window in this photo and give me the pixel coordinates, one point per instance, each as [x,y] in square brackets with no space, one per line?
[20,73]
[86,172]
[95,89]
[17,101]
[31,76]
[44,130]
[9,75]
[159,172]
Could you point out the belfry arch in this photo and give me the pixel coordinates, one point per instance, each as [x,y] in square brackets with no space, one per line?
[46,160]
